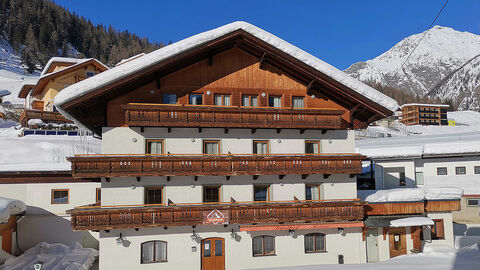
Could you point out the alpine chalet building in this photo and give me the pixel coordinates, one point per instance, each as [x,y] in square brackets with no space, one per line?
[230,149]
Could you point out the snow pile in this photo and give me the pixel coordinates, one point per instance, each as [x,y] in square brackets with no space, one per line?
[35,122]
[53,257]
[84,87]
[410,194]
[433,258]
[42,153]
[411,221]
[10,207]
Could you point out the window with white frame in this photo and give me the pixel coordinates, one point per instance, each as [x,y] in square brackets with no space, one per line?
[473,202]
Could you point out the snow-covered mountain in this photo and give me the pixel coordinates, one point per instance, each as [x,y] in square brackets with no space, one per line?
[446,64]
[13,72]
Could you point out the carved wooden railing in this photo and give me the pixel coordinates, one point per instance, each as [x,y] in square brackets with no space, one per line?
[228,165]
[163,115]
[45,116]
[115,217]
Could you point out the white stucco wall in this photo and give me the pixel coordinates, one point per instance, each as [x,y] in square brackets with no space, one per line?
[238,253]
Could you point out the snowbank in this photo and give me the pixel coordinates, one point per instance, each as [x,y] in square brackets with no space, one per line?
[10,207]
[53,257]
[410,194]
[34,122]
[84,87]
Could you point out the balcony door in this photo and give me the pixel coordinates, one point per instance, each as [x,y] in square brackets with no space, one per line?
[213,254]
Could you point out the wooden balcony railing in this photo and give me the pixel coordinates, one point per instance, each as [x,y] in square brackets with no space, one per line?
[116,217]
[163,115]
[228,165]
[45,116]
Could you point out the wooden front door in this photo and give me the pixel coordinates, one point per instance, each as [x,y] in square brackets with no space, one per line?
[398,242]
[7,240]
[213,254]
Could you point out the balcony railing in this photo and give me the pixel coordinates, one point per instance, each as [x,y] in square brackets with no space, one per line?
[163,115]
[116,217]
[228,165]
[45,116]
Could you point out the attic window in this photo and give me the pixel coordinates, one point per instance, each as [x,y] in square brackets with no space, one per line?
[90,73]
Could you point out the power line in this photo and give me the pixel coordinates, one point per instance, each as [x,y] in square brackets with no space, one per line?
[424,34]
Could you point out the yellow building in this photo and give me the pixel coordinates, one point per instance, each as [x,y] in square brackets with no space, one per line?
[58,73]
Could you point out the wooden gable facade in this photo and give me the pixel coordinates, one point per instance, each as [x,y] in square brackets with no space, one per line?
[236,64]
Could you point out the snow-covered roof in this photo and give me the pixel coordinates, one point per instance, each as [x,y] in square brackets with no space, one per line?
[10,207]
[62,60]
[84,87]
[411,221]
[410,194]
[75,64]
[123,61]
[53,257]
[42,152]
[469,183]
[424,105]
[420,146]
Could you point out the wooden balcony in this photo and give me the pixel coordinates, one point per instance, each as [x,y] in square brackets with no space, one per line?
[409,208]
[45,116]
[116,217]
[162,115]
[226,165]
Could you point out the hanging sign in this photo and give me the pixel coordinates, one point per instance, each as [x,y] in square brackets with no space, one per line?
[215,217]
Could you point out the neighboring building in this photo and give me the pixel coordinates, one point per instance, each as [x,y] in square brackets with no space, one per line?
[424,114]
[10,210]
[34,170]
[224,149]
[58,73]
[429,161]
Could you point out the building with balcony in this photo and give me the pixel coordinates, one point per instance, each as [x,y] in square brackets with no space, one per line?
[58,73]
[230,149]
[424,114]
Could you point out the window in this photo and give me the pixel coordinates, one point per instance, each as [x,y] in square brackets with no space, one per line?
[476,170]
[222,100]
[263,245]
[90,73]
[297,102]
[154,147]
[98,195]
[275,101]
[60,196]
[211,147]
[154,251]
[442,171]
[211,194]
[473,202]
[196,99]
[419,178]
[153,195]
[260,147]
[312,192]
[249,101]
[437,229]
[169,98]
[261,193]
[460,170]
[312,147]
[402,182]
[314,242]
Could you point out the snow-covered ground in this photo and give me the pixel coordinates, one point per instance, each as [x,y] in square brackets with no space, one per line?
[40,152]
[13,82]
[433,258]
[53,257]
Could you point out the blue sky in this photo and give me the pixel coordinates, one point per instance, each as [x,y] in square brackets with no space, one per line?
[338,32]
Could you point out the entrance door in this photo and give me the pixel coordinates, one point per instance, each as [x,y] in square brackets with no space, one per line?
[213,254]
[398,242]
[372,245]
[7,240]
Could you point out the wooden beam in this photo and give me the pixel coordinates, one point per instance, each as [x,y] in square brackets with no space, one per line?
[262,59]
[310,85]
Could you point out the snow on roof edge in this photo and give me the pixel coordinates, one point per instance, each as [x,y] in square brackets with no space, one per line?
[74,61]
[102,79]
[425,105]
